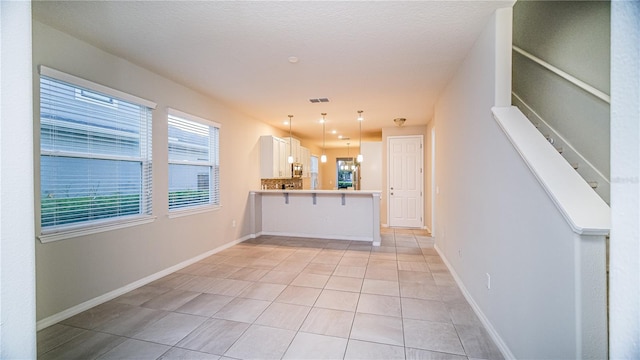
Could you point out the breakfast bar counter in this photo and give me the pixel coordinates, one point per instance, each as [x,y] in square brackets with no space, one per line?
[324,214]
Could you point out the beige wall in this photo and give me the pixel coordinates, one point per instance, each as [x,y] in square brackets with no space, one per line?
[76,270]
[72,271]
[494,218]
[403,131]
[327,171]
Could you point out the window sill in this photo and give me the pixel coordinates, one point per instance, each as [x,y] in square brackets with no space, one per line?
[94,228]
[192,211]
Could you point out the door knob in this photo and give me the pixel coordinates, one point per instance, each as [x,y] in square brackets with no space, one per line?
[391,188]
[391,193]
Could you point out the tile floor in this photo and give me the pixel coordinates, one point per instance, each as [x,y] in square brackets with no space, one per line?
[287,298]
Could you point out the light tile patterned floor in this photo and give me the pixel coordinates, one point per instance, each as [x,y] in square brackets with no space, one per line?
[287,298]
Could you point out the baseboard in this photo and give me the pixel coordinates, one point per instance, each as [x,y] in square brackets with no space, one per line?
[65,314]
[502,346]
[317,236]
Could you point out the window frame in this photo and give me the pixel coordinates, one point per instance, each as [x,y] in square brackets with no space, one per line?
[87,227]
[213,163]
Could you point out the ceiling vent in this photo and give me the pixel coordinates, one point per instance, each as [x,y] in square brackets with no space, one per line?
[319,100]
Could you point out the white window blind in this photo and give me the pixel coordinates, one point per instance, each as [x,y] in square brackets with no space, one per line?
[95,155]
[194,173]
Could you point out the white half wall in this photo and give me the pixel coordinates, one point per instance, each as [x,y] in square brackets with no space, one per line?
[493,217]
[17,268]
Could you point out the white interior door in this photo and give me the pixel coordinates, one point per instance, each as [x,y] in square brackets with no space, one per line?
[405,204]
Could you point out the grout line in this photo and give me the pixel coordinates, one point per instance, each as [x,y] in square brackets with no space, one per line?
[264,250]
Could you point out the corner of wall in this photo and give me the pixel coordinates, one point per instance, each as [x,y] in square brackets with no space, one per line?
[504,40]
[17,255]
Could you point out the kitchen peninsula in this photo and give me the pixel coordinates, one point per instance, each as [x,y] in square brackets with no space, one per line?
[324,214]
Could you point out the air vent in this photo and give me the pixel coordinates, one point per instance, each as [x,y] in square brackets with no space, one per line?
[319,100]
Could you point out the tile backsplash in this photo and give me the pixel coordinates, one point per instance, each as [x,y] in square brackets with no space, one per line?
[273,184]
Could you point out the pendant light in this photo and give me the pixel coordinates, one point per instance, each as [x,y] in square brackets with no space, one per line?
[323,158]
[348,165]
[290,158]
[345,165]
[360,118]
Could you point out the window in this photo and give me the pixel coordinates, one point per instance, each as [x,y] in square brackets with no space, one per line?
[95,154]
[345,170]
[194,175]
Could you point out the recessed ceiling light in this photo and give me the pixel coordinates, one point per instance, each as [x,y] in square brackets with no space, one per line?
[293,59]
[286,122]
[333,131]
[339,136]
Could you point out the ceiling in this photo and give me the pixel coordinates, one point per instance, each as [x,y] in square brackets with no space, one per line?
[388,58]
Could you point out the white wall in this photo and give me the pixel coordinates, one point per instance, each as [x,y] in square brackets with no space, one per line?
[493,216]
[624,278]
[17,269]
[76,270]
[371,167]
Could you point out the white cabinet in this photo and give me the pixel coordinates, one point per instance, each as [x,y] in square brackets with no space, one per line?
[284,168]
[305,159]
[295,151]
[273,158]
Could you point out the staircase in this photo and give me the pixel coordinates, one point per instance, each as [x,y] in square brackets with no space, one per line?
[598,181]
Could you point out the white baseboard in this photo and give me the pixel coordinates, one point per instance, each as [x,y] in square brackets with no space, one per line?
[318,236]
[502,346]
[65,314]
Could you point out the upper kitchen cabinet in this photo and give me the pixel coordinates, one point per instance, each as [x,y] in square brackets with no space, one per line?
[295,149]
[273,158]
[305,160]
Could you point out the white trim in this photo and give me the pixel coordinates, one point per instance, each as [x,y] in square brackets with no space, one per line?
[572,79]
[434,194]
[186,116]
[180,212]
[65,314]
[90,156]
[192,162]
[422,160]
[502,346]
[59,75]
[87,228]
